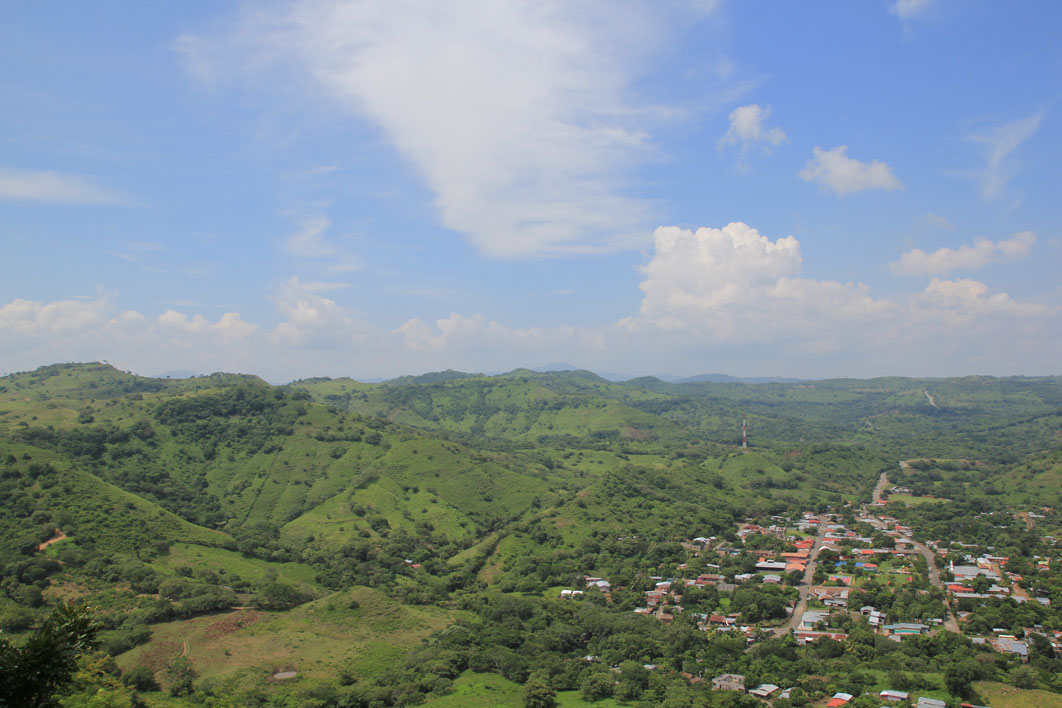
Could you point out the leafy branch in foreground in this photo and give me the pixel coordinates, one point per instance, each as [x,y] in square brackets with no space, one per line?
[30,674]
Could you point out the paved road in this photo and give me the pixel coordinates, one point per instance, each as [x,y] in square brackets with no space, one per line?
[805,584]
[950,623]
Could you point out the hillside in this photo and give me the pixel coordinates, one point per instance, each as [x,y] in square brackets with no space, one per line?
[351,522]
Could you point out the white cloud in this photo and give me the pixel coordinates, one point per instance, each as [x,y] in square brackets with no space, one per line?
[315,321]
[747,128]
[735,285]
[41,186]
[907,9]
[967,257]
[964,300]
[517,114]
[843,174]
[999,142]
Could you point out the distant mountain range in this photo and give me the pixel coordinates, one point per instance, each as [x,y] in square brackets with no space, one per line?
[670,378]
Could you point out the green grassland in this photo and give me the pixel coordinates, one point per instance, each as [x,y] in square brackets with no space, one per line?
[228,564]
[315,639]
[1001,695]
[472,690]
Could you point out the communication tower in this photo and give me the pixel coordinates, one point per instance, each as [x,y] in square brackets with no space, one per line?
[744,436]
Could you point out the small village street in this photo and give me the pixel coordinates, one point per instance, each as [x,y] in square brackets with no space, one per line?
[805,584]
[950,622]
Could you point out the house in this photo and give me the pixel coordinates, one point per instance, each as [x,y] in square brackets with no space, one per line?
[1010,645]
[894,696]
[906,628]
[803,637]
[811,618]
[570,593]
[728,682]
[839,699]
[771,565]
[764,690]
[924,702]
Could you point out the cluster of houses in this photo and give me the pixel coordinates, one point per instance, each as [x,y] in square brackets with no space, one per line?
[768,691]
[978,577]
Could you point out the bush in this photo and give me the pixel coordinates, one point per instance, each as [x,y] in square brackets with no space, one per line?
[141,678]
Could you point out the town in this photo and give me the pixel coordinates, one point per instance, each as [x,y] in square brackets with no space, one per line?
[820,575]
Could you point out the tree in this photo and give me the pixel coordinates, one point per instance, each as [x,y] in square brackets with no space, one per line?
[959,677]
[180,676]
[595,686]
[32,673]
[538,693]
[141,678]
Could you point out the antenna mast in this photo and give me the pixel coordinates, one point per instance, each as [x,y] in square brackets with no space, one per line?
[744,436]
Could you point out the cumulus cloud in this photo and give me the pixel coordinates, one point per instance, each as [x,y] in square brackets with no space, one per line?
[314,321]
[999,142]
[966,257]
[964,300]
[517,114]
[41,186]
[843,174]
[748,128]
[735,285]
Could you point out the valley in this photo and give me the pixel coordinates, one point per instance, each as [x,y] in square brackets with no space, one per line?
[330,542]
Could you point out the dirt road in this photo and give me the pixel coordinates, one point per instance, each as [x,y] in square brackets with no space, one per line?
[930,398]
[880,488]
[931,562]
[59,536]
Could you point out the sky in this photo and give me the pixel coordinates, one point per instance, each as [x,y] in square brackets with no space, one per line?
[325,188]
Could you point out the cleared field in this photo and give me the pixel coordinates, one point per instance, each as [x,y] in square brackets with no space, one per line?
[473,690]
[314,639]
[1000,695]
[915,501]
[230,563]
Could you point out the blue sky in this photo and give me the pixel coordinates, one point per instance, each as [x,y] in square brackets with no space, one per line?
[316,187]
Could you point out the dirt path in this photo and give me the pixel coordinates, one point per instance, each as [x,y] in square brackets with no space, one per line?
[805,584]
[880,488]
[183,651]
[59,536]
[1029,523]
[930,398]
